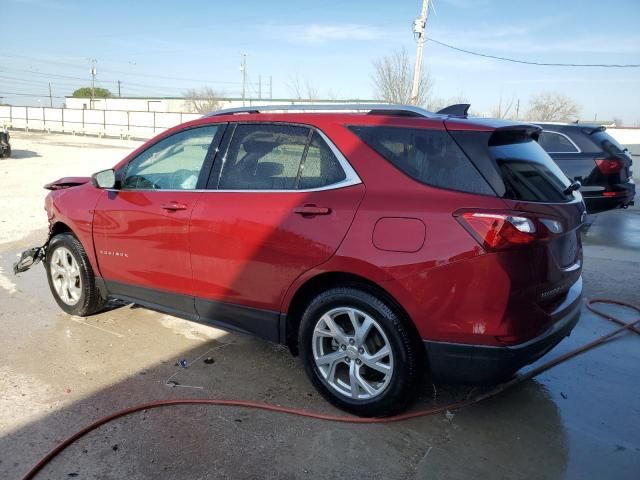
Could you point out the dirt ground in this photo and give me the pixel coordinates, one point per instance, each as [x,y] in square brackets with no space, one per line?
[60,373]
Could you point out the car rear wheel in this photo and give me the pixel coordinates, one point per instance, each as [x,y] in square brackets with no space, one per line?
[71,278]
[358,352]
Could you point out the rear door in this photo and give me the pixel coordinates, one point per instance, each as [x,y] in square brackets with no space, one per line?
[281,200]
[140,230]
[528,181]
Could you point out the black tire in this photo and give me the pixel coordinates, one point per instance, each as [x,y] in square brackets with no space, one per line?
[401,388]
[90,299]
[6,153]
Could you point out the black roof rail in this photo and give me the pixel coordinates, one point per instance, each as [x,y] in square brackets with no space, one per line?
[456,110]
[371,108]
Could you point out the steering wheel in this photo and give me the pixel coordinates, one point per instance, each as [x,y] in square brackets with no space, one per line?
[138,182]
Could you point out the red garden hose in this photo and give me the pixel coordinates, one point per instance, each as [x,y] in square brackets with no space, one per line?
[349,419]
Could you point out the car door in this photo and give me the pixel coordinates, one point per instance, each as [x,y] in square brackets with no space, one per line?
[281,201]
[140,229]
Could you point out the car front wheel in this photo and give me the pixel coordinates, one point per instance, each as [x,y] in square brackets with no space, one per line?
[71,278]
[358,352]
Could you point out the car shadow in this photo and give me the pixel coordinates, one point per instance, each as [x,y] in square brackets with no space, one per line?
[24,154]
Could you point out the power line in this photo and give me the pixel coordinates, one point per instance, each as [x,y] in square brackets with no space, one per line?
[29,94]
[546,64]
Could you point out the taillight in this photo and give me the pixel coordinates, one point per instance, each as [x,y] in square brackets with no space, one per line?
[500,231]
[609,165]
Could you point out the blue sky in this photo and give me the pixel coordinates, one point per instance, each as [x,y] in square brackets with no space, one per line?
[163,48]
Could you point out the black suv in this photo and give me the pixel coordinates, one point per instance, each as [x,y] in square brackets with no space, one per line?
[588,154]
[5,147]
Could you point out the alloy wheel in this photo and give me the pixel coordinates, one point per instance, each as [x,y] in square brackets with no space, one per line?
[352,353]
[65,276]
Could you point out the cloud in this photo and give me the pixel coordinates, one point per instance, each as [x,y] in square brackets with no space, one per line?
[316,33]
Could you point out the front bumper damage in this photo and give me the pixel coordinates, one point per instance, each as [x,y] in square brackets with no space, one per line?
[29,258]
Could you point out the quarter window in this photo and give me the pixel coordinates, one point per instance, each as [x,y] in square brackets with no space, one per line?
[174,163]
[556,143]
[428,156]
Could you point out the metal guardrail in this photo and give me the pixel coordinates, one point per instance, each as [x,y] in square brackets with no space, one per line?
[118,123]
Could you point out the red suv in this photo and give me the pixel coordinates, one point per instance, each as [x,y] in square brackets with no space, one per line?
[379,243]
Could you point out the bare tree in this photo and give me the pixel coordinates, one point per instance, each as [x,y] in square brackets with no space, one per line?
[393,77]
[303,89]
[332,94]
[202,100]
[553,107]
[504,109]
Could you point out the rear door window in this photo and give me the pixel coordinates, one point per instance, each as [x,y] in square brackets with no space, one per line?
[428,156]
[554,142]
[279,157]
[529,174]
[321,167]
[264,157]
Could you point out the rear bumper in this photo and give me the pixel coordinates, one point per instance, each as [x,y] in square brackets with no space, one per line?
[482,364]
[599,203]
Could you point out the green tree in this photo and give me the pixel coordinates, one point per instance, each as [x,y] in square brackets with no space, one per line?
[85,92]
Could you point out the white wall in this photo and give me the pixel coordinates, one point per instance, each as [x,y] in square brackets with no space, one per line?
[626,136]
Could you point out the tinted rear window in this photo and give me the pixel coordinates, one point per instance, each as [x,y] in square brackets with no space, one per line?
[429,156]
[529,174]
[607,142]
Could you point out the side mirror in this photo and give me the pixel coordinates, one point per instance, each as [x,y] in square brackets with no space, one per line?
[104,179]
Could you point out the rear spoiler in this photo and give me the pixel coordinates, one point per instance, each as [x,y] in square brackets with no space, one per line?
[515,133]
[591,129]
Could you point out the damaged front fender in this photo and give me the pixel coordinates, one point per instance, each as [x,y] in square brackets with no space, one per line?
[29,258]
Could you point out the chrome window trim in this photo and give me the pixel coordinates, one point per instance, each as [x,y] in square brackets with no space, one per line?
[351,179]
[565,136]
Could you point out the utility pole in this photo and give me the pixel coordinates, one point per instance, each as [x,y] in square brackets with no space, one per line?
[119,83]
[243,69]
[93,72]
[270,87]
[419,28]
[50,97]
[260,87]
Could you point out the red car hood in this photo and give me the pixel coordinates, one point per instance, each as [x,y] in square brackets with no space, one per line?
[67,182]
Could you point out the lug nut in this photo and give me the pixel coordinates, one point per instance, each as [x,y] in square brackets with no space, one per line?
[358,361]
[343,347]
[347,360]
[361,350]
[351,341]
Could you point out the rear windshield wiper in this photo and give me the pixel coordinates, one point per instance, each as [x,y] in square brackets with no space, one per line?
[572,188]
